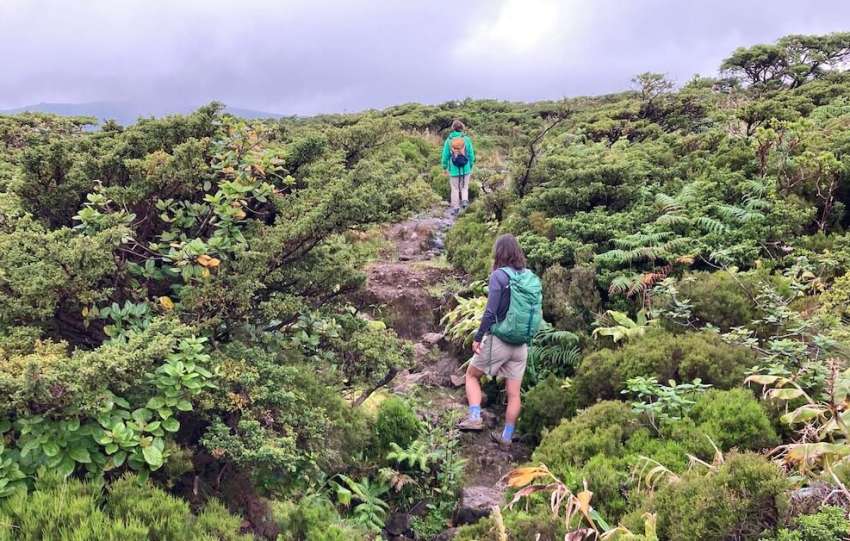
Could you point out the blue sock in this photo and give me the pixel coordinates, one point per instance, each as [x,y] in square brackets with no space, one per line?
[474,412]
[508,432]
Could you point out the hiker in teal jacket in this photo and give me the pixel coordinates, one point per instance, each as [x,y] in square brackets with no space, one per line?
[458,161]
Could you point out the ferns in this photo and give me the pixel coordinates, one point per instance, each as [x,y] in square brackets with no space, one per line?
[671,220]
[666,203]
[622,284]
[738,214]
[553,352]
[640,240]
[711,225]
[462,321]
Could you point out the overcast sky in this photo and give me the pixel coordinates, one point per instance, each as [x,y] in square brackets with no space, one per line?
[311,56]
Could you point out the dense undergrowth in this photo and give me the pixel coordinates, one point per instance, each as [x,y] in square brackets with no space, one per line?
[177,313]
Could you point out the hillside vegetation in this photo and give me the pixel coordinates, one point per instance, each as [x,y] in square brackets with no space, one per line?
[179,312]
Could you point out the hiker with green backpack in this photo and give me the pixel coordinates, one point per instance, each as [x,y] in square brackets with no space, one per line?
[510,321]
[457,160]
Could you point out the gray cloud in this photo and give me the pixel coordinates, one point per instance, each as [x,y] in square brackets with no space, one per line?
[297,56]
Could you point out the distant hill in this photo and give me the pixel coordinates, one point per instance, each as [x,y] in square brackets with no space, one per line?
[125,113]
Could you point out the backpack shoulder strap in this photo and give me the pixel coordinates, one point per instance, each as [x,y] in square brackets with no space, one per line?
[509,271]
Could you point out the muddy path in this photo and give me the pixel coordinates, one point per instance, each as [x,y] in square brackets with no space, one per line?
[409,288]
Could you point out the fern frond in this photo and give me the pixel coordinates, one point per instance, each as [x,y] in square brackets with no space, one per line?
[712,225]
[621,284]
[667,203]
[672,219]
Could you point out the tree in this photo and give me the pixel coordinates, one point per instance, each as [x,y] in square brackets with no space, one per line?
[791,61]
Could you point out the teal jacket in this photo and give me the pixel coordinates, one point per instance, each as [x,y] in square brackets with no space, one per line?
[453,170]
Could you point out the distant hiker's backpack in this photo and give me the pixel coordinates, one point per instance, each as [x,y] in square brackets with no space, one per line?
[525,311]
[458,146]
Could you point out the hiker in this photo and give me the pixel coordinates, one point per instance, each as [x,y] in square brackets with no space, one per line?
[458,160]
[511,318]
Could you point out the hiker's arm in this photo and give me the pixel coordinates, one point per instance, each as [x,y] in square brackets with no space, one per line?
[494,297]
[445,158]
[471,155]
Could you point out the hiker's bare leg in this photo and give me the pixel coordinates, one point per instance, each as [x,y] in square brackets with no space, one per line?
[473,395]
[512,387]
[473,385]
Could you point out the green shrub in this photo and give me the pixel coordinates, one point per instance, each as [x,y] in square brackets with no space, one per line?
[607,477]
[828,524]
[469,243]
[600,429]
[572,296]
[734,418]
[130,510]
[672,452]
[519,525]
[681,357]
[397,423]
[718,298]
[313,519]
[544,406]
[745,496]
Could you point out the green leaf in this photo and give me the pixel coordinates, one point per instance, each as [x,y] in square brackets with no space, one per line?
[66,467]
[153,457]
[184,405]
[143,415]
[122,402]
[102,437]
[117,460]
[155,403]
[171,424]
[80,454]
[50,449]
[30,446]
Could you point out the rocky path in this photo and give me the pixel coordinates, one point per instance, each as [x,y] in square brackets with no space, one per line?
[409,288]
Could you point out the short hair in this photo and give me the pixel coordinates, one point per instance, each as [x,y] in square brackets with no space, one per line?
[457,125]
[507,253]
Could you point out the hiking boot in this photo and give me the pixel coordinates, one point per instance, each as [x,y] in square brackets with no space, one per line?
[463,205]
[471,424]
[496,436]
[455,211]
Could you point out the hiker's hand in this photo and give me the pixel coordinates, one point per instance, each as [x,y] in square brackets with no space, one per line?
[476,348]
[446,172]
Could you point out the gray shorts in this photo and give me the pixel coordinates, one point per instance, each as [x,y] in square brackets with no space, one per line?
[499,358]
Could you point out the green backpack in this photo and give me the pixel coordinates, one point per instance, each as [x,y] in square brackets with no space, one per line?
[525,311]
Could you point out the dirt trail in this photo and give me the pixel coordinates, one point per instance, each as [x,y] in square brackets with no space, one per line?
[408,288]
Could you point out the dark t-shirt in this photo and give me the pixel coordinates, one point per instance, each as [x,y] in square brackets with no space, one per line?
[498,302]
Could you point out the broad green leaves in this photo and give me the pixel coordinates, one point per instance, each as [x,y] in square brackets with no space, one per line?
[120,434]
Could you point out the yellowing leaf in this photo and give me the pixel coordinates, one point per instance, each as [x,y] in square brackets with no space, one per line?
[583,501]
[522,476]
[207,261]
[166,303]
[803,453]
[763,379]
